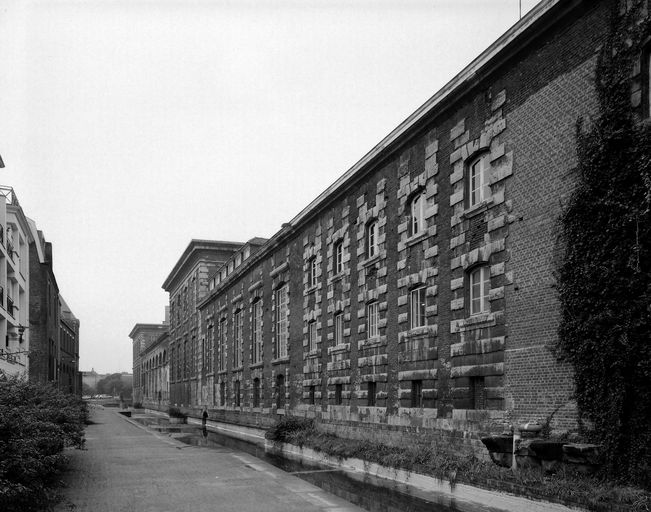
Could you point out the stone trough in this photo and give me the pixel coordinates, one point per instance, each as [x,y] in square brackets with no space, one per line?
[546,454]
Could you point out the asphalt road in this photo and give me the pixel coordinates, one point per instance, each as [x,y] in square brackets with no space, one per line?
[129,468]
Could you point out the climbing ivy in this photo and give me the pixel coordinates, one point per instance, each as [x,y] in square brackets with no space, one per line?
[604,277]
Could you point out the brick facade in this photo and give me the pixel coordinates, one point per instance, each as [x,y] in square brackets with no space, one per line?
[416,295]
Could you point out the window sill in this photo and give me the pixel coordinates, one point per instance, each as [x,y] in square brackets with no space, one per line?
[313,353]
[311,289]
[342,347]
[418,237]
[372,260]
[280,360]
[336,277]
[477,209]
[253,366]
[238,369]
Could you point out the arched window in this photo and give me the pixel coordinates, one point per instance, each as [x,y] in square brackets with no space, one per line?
[256,317]
[282,313]
[417,305]
[238,339]
[338,255]
[478,186]
[417,214]
[372,320]
[311,336]
[479,288]
[237,393]
[372,233]
[280,391]
[256,392]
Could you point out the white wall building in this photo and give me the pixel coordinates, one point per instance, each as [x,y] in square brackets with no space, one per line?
[14,284]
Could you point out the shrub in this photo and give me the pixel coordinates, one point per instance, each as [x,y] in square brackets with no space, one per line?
[36,423]
[174,412]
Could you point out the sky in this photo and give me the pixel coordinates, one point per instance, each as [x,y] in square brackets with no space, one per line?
[130,127]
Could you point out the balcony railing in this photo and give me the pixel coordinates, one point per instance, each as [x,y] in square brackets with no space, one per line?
[10,306]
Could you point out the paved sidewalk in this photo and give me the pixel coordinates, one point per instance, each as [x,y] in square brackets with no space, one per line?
[129,468]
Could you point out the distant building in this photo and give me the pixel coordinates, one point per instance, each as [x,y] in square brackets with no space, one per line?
[187,284]
[69,378]
[15,237]
[44,311]
[143,336]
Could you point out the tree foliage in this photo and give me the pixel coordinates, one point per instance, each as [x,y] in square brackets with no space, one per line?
[36,422]
[115,385]
[605,275]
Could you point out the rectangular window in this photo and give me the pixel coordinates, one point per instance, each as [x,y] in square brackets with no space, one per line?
[372,391]
[416,393]
[237,393]
[312,395]
[257,332]
[372,320]
[311,336]
[222,394]
[338,394]
[339,328]
[222,344]
[339,257]
[479,290]
[417,305]
[282,312]
[238,341]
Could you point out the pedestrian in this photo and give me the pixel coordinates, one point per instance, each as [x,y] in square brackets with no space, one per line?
[204,417]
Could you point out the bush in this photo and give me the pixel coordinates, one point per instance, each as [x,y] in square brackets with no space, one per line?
[36,423]
[174,412]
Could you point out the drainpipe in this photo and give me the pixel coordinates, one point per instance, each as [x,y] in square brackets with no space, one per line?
[516,438]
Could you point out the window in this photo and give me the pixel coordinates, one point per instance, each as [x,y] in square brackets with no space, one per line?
[338,394]
[312,395]
[339,257]
[238,341]
[237,393]
[372,232]
[416,393]
[339,328]
[477,393]
[256,356]
[256,392]
[282,311]
[311,336]
[280,391]
[372,391]
[372,320]
[417,214]
[479,289]
[210,343]
[417,305]
[222,344]
[478,188]
[311,273]
[222,394]
[646,87]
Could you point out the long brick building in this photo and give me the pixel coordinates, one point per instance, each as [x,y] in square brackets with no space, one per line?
[416,293]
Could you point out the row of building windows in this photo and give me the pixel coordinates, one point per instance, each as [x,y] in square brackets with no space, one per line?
[415,398]
[478,289]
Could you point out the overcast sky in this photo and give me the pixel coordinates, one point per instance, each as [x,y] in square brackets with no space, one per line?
[130,127]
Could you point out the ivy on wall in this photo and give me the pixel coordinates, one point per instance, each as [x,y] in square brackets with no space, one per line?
[604,277]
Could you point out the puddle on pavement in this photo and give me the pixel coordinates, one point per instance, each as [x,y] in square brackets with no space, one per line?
[366,491]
